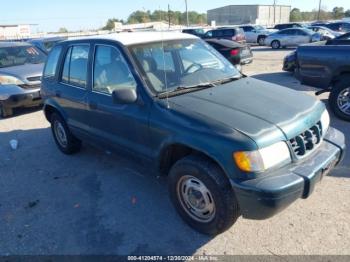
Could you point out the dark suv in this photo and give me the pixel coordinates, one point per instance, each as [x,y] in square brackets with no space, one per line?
[230,33]
[288,25]
[230,145]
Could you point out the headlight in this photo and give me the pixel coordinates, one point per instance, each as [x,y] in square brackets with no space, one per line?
[325,121]
[10,80]
[262,159]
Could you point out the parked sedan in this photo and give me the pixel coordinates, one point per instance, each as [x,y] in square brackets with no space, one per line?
[236,53]
[325,32]
[45,44]
[291,37]
[21,66]
[339,26]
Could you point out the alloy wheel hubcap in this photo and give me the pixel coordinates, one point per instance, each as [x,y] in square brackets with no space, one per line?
[344,101]
[60,133]
[196,199]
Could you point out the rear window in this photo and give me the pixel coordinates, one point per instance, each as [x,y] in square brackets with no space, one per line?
[75,65]
[52,62]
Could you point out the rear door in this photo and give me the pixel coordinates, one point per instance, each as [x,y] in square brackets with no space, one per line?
[122,126]
[250,34]
[71,90]
[301,37]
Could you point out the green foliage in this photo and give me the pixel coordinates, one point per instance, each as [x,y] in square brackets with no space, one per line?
[176,17]
[295,15]
[110,24]
[63,30]
[338,12]
[347,13]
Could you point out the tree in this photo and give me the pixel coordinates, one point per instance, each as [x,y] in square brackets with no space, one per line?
[63,30]
[338,12]
[347,13]
[295,15]
[110,24]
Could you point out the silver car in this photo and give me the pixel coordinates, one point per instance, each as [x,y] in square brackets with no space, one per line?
[291,37]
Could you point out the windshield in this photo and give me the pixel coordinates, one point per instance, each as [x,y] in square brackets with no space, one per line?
[20,55]
[184,63]
[259,27]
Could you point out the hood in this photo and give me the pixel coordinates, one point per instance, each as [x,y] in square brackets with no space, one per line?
[23,72]
[265,112]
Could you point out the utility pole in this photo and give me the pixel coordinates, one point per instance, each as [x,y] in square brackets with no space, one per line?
[169,15]
[319,10]
[274,12]
[187,20]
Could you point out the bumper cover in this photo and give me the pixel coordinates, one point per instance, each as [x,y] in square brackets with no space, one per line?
[272,192]
[29,98]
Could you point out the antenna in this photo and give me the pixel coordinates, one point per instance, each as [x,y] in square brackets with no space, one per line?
[165,75]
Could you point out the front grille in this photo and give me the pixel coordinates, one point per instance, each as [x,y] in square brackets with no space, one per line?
[34,78]
[307,141]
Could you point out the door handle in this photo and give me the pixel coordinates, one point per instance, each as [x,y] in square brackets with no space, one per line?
[58,93]
[92,105]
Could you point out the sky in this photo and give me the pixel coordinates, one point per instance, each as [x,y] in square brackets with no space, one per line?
[50,15]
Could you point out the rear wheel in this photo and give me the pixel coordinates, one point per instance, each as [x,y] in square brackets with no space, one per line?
[261,40]
[275,44]
[202,195]
[64,139]
[339,99]
[5,111]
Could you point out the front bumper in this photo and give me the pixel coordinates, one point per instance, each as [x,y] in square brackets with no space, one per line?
[272,192]
[288,65]
[25,99]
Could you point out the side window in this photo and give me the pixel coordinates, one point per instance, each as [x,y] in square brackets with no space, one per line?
[75,66]
[52,62]
[229,32]
[209,34]
[247,28]
[111,71]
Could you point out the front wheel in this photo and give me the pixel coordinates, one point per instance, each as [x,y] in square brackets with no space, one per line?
[261,40]
[275,44]
[339,99]
[64,139]
[202,195]
[5,111]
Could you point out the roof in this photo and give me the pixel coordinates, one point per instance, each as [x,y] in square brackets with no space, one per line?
[11,44]
[227,6]
[141,37]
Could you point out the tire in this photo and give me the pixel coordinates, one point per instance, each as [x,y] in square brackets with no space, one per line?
[196,171]
[64,139]
[275,44]
[261,40]
[340,96]
[5,111]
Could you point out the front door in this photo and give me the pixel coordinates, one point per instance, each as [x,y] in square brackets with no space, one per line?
[122,126]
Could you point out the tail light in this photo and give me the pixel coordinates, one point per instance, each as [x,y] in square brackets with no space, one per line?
[234,52]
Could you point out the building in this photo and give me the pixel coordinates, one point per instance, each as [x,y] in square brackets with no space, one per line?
[8,32]
[266,15]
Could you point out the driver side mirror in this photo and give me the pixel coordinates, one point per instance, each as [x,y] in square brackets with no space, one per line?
[124,96]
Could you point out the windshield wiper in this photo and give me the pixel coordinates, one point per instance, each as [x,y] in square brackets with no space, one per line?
[185,89]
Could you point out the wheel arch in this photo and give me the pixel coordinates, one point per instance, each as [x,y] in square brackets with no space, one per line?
[173,152]
[51,107]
